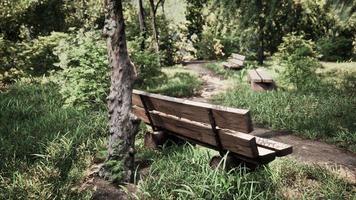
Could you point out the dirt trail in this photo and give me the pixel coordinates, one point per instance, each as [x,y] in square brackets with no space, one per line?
[212,84]
[306,151]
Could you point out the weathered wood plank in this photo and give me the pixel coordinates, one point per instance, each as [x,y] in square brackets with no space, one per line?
[238,56]
[253,76]
[266,78]
[226,118]
[140,113]
[236,62]
[240,143]
[184,127]
[230,118]
[236,142]
[280,148]
[232,66]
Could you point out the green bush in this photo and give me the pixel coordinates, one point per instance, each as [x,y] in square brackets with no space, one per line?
[148,68]
[37,57]
[84,78]
[296,57]
[335,49]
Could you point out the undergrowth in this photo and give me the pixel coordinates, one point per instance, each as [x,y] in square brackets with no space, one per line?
[328,115]
[45,148]
[183,172]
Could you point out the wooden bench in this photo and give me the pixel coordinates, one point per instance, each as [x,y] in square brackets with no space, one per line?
[217,127]
[260,80]
[236,61]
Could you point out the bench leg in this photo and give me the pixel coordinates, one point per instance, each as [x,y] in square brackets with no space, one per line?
[155,139]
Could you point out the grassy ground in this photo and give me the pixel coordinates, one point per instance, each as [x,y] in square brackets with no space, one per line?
[179,82]
[45,150]
[326,112]
[183,172]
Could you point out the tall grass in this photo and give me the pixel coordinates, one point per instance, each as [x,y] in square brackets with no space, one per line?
[184,173]
[44,148]
[323,115]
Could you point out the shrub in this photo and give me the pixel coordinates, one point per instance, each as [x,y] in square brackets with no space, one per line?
[36,56]
[297,59]
[335,49]
[84,78]
[148,68]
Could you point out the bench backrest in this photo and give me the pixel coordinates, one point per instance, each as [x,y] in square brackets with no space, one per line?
[197,121]
[238,56]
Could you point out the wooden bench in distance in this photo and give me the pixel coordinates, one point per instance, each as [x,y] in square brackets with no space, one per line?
[217,127]
[260,80]
[236,61]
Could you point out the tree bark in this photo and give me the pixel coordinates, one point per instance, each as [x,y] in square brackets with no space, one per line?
[153,9]
[261,25]
[123,126]
[141,18]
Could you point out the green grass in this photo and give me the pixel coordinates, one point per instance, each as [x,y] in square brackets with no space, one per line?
[325,112]
[183,172]
[44,148]
[179,82]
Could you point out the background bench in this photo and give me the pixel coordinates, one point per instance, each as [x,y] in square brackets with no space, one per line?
[217,127]
[260,80]
[236,61]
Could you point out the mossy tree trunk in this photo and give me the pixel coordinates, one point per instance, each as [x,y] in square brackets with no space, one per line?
[123,126]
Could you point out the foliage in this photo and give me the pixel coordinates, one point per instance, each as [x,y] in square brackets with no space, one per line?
[32,57]
[298,65]
[193,178]
[84,78]
[148,68]
[41,17]
[45,148]
[195,18]
[335,49]
[37,57]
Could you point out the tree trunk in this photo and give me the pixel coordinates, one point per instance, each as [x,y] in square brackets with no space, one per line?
[260,32]
[122,124]
[154,24]
[141,18]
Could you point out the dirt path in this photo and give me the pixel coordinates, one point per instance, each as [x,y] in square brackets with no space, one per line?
[307,151]
[212,85]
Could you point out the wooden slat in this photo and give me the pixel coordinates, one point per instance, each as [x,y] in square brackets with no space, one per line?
[232,66]
[140,113]
[265,155]
[231,118]
[253,76]
[226,118]
[266,78]
[240,143]
[236,142]
[136,100]
[184,127]
[280,148]
[236,62]
[238,56]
